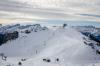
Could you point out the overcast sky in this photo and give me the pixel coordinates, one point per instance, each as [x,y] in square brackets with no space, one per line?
[44,11]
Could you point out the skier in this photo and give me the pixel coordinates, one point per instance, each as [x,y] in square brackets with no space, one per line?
[36,51]
[57,59]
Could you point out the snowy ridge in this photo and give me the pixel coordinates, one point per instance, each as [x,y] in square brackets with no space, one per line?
[9,28]
[65,44]
[18,27]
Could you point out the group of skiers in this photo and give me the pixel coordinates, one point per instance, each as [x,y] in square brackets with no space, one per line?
[49,60]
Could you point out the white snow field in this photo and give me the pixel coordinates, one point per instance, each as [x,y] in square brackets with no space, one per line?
[65,44]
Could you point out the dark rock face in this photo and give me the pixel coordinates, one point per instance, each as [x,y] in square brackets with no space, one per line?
[94,38]
[4,37]
[97,52]
[27,31]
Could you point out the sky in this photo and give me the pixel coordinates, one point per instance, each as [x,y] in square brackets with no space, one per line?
[50,11]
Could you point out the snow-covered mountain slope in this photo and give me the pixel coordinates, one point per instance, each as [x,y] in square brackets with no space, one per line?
[65,44]
[9,28]
[25,43]
[18,27]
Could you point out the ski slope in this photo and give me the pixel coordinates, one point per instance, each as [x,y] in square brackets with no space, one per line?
[65,44]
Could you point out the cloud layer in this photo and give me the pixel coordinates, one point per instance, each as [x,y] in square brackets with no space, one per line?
[42,10]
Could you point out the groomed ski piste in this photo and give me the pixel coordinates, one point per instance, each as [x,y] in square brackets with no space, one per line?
[66,44]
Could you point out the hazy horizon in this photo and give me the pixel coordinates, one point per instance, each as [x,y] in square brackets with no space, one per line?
[74,12]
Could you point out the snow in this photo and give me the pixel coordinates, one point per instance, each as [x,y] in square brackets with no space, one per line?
[65,44]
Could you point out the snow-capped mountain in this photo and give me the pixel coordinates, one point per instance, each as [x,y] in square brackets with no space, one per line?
[35,28]
[11,32]
[49,47]
[90,29]
[9,28]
